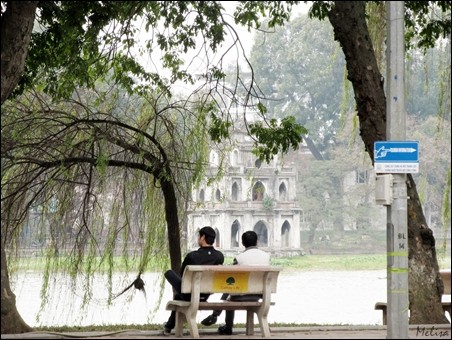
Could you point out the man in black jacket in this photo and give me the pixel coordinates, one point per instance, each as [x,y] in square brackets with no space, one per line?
[205,255]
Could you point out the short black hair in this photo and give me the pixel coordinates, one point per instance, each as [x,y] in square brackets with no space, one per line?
[249,239]
[209,234]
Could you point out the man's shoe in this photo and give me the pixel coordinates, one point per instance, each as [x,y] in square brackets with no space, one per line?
[224,330]
[166,330]
[210,320]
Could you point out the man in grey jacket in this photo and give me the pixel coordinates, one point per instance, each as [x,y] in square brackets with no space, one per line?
[250,256]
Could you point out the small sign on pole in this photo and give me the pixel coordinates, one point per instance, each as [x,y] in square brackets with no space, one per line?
[396,157]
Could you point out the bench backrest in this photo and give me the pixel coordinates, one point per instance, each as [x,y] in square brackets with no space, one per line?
[233,279]
[445,276]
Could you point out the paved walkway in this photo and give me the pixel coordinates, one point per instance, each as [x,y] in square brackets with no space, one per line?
[323,332]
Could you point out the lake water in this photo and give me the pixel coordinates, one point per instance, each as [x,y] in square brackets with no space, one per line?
[321,297]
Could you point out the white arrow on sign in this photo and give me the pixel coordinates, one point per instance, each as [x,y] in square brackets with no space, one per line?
[382,151]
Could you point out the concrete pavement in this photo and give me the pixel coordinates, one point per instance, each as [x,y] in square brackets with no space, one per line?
[318,332]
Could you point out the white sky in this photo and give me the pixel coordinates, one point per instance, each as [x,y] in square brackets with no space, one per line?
[197,60]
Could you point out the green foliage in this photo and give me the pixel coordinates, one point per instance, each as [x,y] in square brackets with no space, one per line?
[304,79]
[426,22]
[376,22]
[434,135]
[302,61]
[268,203]
[320,9]
[445,213]
[90,212]
[197,148]
[218,129]
[250,13]
[277,135]
[428,83]
[79,43]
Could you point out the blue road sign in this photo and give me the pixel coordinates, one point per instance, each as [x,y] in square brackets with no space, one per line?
[396,157]
[396,152]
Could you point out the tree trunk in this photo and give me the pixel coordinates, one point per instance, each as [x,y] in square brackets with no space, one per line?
[17,25]
[172,222]
[12,322]
[311,146]
[350,29]
[425,284]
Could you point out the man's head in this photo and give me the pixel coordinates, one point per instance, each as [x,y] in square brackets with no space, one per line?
[249,239]
[208,233]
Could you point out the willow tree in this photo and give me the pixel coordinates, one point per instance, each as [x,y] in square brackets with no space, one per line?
[105,173]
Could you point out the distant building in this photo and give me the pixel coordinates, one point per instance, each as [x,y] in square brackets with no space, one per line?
[251,195]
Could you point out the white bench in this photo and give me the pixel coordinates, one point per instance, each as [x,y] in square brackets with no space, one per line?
[234,279]
[445,276]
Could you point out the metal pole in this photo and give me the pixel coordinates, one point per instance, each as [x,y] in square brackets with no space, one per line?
[397,231]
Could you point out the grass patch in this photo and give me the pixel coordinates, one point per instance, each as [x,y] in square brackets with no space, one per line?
[333,262]
[307,262]
[343,262]
[97,264]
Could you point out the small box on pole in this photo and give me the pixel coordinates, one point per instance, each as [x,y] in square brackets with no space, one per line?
[383,189]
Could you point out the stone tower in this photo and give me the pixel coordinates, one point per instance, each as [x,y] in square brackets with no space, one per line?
[251,195]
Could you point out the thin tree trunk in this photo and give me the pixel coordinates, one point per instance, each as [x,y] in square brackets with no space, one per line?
[12,322]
